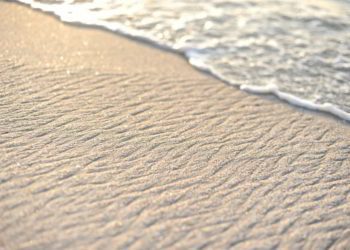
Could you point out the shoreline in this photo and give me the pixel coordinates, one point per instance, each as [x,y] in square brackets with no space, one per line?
[283,97]
[109,143]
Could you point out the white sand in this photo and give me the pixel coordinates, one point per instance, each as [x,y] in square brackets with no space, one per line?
[106,143]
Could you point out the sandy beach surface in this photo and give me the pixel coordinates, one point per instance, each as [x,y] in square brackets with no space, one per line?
[108,143]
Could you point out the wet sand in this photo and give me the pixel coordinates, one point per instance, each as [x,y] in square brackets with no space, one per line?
[108,143]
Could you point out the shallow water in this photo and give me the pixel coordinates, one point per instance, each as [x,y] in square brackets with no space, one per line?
[298,50]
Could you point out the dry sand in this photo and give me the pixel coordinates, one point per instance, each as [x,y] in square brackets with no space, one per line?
[107,143]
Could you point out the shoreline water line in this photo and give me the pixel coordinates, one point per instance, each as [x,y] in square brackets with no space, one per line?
[61,13]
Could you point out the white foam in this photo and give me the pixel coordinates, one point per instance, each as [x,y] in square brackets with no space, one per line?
[273,89]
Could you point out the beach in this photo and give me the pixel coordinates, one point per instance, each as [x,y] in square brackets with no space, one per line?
[111,143]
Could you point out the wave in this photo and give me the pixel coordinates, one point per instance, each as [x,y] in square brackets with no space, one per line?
[298,51]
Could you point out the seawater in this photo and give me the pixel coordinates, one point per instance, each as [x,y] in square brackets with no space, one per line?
[298,50]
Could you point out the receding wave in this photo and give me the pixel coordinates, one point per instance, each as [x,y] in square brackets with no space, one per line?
[298,50]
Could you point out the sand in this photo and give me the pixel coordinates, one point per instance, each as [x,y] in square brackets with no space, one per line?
[108,143]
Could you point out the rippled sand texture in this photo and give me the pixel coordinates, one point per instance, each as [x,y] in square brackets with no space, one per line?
[109,144]
[302,47]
